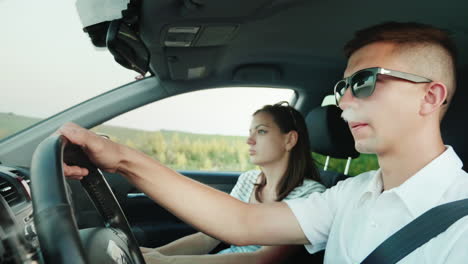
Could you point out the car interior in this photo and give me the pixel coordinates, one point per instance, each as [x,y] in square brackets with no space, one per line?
[181,46]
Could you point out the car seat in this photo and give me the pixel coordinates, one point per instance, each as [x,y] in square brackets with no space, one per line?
[330,136]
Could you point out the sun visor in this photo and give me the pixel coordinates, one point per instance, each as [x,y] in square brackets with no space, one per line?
[92,12]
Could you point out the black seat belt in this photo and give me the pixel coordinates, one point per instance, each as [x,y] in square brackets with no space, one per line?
[417,232]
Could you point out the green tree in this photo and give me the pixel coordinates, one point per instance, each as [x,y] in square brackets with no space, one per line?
[180,160]
[158,146]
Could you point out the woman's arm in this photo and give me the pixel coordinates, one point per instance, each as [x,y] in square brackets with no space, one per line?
[195,244]
[267,254]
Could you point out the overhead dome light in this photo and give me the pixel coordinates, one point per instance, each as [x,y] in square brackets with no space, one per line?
[180,36]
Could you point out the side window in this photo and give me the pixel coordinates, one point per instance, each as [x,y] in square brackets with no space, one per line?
[202,130]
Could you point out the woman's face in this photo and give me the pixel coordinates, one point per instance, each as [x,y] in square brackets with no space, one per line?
[267,143]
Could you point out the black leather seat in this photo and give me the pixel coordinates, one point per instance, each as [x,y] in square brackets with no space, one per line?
[453,128]
[330,136]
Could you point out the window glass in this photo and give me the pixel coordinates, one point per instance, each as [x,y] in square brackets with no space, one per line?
[48,63]
[207,130]
[203,130]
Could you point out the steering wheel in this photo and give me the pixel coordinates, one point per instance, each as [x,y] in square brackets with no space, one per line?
[59,237]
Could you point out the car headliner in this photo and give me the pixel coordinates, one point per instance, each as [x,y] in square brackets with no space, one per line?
[301,40]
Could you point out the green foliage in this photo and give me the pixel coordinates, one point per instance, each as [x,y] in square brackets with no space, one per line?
[187,151]
[365,162]
[11,123]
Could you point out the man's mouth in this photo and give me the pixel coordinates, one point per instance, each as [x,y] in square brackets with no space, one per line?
[356,125]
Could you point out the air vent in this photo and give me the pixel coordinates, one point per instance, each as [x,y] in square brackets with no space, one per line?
[28,181]
[9,192]
[25,182]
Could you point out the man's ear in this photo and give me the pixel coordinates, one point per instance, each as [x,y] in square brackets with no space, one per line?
[291,139]
[435,96]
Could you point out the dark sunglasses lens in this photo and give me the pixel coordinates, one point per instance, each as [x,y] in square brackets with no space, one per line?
[363,84]
[340,89]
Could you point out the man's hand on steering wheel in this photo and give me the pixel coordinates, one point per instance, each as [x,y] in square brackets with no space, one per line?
[104,153]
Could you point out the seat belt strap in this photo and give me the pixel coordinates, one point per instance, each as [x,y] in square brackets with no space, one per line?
[418,232]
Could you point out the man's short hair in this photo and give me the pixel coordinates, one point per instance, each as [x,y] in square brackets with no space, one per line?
[397,32]
[408,35]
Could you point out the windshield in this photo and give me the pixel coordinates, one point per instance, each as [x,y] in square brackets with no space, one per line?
[48,63]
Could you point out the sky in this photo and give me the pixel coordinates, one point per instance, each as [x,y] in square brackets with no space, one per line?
[48,64]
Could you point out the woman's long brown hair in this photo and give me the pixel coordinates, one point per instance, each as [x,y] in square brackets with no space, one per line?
[301,165]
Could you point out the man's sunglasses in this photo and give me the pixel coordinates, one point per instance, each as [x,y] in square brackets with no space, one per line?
[362,83]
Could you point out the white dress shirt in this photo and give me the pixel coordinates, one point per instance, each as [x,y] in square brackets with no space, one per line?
[354,217]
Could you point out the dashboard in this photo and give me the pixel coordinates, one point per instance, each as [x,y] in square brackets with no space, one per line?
[18,239]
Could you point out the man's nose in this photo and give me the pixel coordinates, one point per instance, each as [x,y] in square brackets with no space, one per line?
[346,99]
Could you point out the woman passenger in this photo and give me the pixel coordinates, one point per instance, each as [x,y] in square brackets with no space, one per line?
[279,146]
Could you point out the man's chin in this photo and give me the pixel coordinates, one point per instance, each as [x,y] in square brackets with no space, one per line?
[365,147]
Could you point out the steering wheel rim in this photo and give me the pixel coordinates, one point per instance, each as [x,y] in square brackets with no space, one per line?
[53,216]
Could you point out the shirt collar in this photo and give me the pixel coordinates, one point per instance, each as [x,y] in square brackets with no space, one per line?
[424,189]
[373,188]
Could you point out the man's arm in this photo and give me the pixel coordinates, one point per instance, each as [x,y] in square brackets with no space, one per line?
[267,254]
[213,212]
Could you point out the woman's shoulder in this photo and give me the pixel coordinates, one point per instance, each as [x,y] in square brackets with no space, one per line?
[244,185]
[304,190]
[249,176]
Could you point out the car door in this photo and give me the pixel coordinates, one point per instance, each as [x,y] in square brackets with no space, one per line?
[153,225]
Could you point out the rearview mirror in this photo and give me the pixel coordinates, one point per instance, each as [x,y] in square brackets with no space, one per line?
[127,47]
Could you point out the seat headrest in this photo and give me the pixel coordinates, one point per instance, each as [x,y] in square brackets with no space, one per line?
[329,134]
[453,127]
